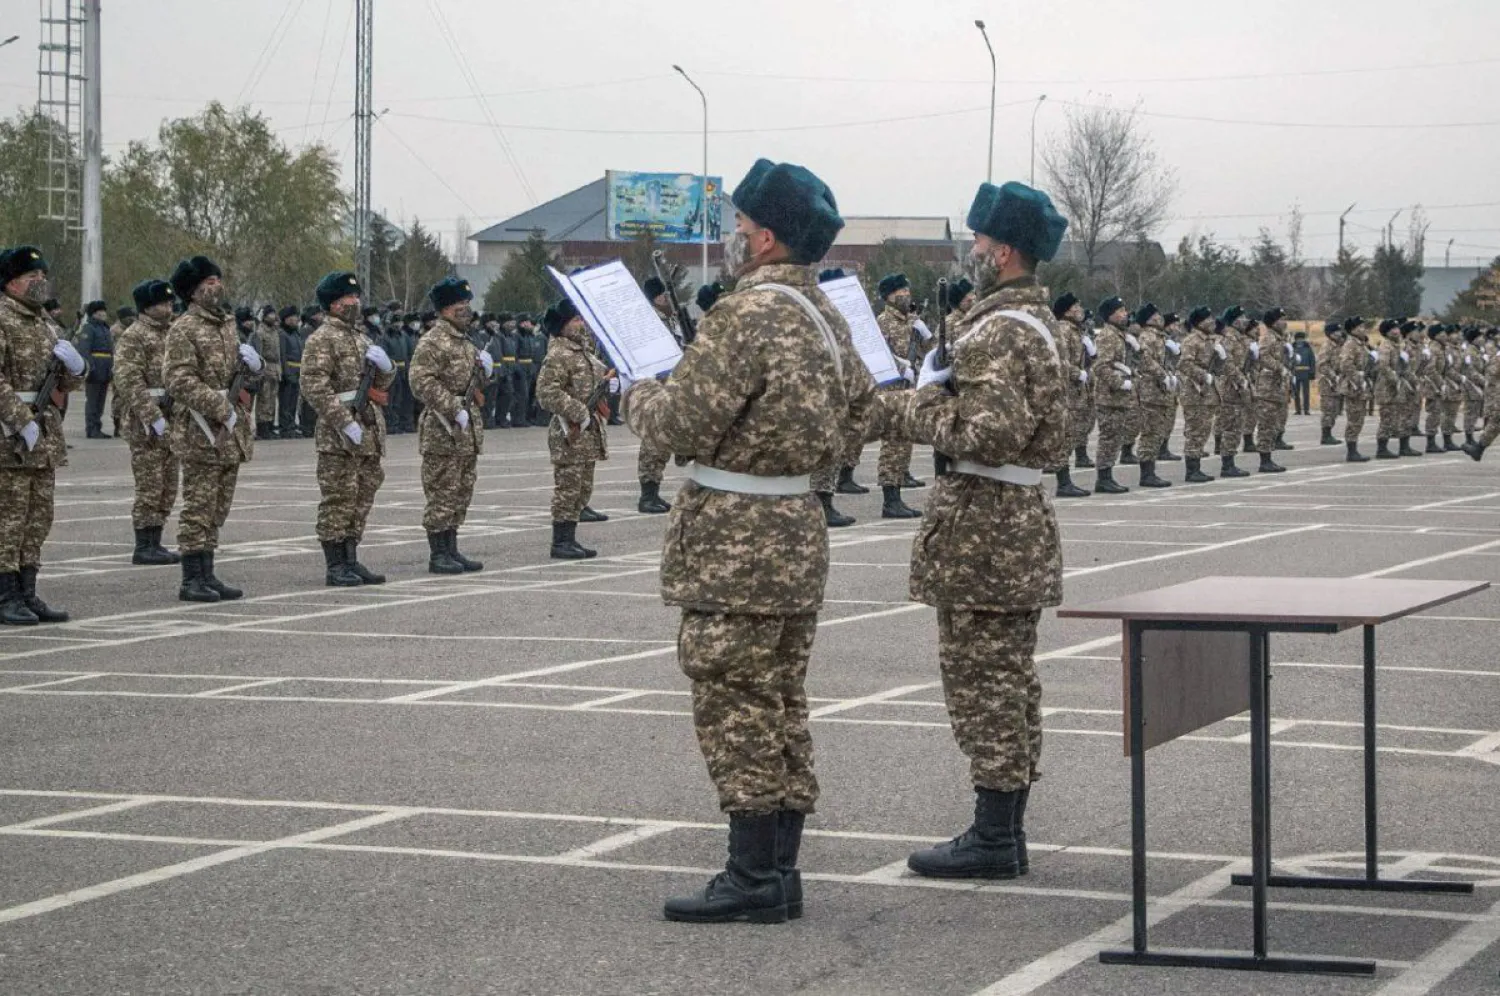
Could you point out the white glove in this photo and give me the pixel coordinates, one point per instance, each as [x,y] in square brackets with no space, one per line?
[1219,349]
[233,419]
[68,353]
[1468,361]
[1255,350]
[1128,385]
[1172,382]
[377,356]
[931,374]
[1404,357]
[462,418]
[1089,347]
[1208,380]
[1375,354]
[905,368]
[487,361]
[251,357]
[355,433]
[32,433]
[1288,347]
[1174,346]
[1427,354]
[159,427]
[1083,376]
[614,385]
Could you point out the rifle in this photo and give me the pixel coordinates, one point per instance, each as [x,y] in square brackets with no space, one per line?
[597,402]
[941,361]
[47,396]
[238,393]
[365,393]
[664,274]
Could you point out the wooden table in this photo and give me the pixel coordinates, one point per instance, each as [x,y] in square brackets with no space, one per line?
[1200,652]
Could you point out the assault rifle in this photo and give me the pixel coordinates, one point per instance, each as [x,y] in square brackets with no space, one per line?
[238,394]
[665,275]
[47,396]
[365,393]
[597,403]
[941,361]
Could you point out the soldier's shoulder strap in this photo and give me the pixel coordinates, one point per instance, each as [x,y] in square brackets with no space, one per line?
[1025,319]
[812,311]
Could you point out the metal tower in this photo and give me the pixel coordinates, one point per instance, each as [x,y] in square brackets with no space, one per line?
[364,119]
[59,103]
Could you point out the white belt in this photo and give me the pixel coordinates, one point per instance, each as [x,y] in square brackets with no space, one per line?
[347,397]
[1008,474]
[156,392]
[26,397]
[749,484]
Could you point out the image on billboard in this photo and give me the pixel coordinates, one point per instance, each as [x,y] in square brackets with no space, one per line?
[667,205]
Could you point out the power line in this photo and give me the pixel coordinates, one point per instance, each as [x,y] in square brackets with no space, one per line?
[268,53]
[425,164]
[312,87]
[338,64]
[1338,126]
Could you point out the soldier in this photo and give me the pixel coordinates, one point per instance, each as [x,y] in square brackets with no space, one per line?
[210,430]
[1080,394]
[1202,371]
[32,429]
[761,401]
[1472,364]
[1114,393]
[350,442]
[447,374]
[1330,397]
[307,417]
[1356,383]
[244,325]
[141,403]
[1388,388]
[123,319]
[1304,371]
[651,461]
[1491,403]
[267,342]
[1453,388]
[1172,327]
[1413,381]
[1156,392]
[1272,384]
[96,343]
[533,352]
[897,321]
[1069,314]
[507,370]
[988,556]
[289,321]
[570,377]
[488,338]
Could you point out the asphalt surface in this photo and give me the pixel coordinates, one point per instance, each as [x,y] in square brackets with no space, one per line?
[489,784]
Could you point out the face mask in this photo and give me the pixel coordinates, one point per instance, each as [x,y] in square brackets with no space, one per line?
[412,326]
[982,270]
[37,292]
[347,313]
[212,298]
[462,317]
[736,252]
[375,321]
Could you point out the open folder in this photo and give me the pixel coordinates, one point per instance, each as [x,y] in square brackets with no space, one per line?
[626,325]
[849,298]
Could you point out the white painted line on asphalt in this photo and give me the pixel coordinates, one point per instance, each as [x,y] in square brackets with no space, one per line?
[50,684]
[1453,501]
[1424,561]
[440,637]
[877,697]
[1210,548]
[1449,957]
[77,814]
[1484,745]
[611,699]
[616,842]
[231,689]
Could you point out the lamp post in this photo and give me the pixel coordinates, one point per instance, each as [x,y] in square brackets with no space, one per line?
[1034,111]
[989,167]
[703,219]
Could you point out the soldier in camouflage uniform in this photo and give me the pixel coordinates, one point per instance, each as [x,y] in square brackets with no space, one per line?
[1453,386]
[1356,382]
[1069,311]
[1234,391]
[760,402]
[1114,393]
[1413,381]
[576,438]
[140,408]
[1201,371]
[825,481]
[1156,390]
[448,373]
[893,470]
[1069,316]
[31,427]
[350,447]
[1330,396]
[267,342]
[1388,388]
[1471,373]
[1491,430]
[651,463]
[988,555]
[1273,381]
[209,430]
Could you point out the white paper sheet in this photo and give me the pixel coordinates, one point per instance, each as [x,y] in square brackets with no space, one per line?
[625,323]
[849,298]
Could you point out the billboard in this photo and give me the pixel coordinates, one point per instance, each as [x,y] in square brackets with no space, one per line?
[667,205]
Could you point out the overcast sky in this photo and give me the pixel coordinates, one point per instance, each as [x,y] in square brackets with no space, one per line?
[887,100]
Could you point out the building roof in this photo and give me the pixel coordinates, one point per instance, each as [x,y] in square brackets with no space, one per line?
[872,230]
[577,216]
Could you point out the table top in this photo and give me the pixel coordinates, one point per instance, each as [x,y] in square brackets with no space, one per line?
[1341,602]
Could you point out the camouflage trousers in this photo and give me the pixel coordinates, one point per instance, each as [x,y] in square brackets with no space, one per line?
[1450,415]
[1331,406]
[207,494]
[993,693]
[1392,420]
[895,446]
[156,471]
[1117,426]
[1355,407]
[651,463]
[572,487]
[1230,424]
[1473,413]
[265,402]
[1080,424]
[1411,417]
[1197,426]
[1434,408]
[26,496]
[1156,427]
[348,483]
[750,707]
[448,487]
[823,479]
[1270,421]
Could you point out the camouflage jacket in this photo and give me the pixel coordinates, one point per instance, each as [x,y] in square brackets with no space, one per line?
[1234,386]
[1453,372]
[568,376]
[896,326]
[138,371]
[1354,362]
[1271,372]
[983,544]
[26,341]
[1429,363]
[199,362]
[1328,369]
[1491,399]
[1203,360]
[442,377]
[1116,357]
[759,392]
[1471,371]
[1387,377]
[333,363]
[267,342]
[1152,382]
[1070,354]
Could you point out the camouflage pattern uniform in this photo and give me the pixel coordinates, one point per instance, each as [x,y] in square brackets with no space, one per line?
[1119,411]
[1453,383]
[138,373]
[1388,390]
[1354,385]
[987,553]
[443,380]
[895,445]
[569,374]
[333,362]
[1471,372]
[651,461]
[267,342]
[1156,387]
[1202,371]
[27,481]
[1412,384]
[1078,361]
[1272,379]
[1330,396]
[1071,356]
[759,393]
[1234,389]
[202,355]
[1491,400]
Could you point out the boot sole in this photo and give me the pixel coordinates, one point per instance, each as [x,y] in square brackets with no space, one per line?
[774,914]
[991,874]
[202,599]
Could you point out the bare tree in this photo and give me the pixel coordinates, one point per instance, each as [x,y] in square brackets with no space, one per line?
[1104,171]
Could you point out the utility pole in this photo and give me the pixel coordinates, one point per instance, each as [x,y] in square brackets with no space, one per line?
[364,122]
[1341,226]
[1033,136]
[1448,253]
[92,284]
[703,211]
[989,167]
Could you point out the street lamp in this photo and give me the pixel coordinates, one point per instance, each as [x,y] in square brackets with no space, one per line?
[12,38]
[704,211]
[989,168]
[1034,111]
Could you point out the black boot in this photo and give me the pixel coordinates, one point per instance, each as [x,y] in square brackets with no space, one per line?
[1149,478]
[750,886]
[1329,439]
[148,552]
[589,515]
[1475,450]
[1066,488]
[225,592]
[1281,443]
[651,501]
[1269,466]
[1383,450]
[1354,455]
[338,574]
[1432,444]
[1249,442]
[1228,468]
[1195,474]
[1407,449]
[1165,454]
[847,485]
[1081,459]
[39,608]
[986,850]
[565,544]
[160,550]
[351,560]
[832,517]
[1218,444]
[894,507]
[1468,439]
[907,481]
[469,566]
[13,610]
[1128,457]
[1448,444]
[439,560]
[1105,483]
[1023,861]
[262,431]
[788,841]
[194,584]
